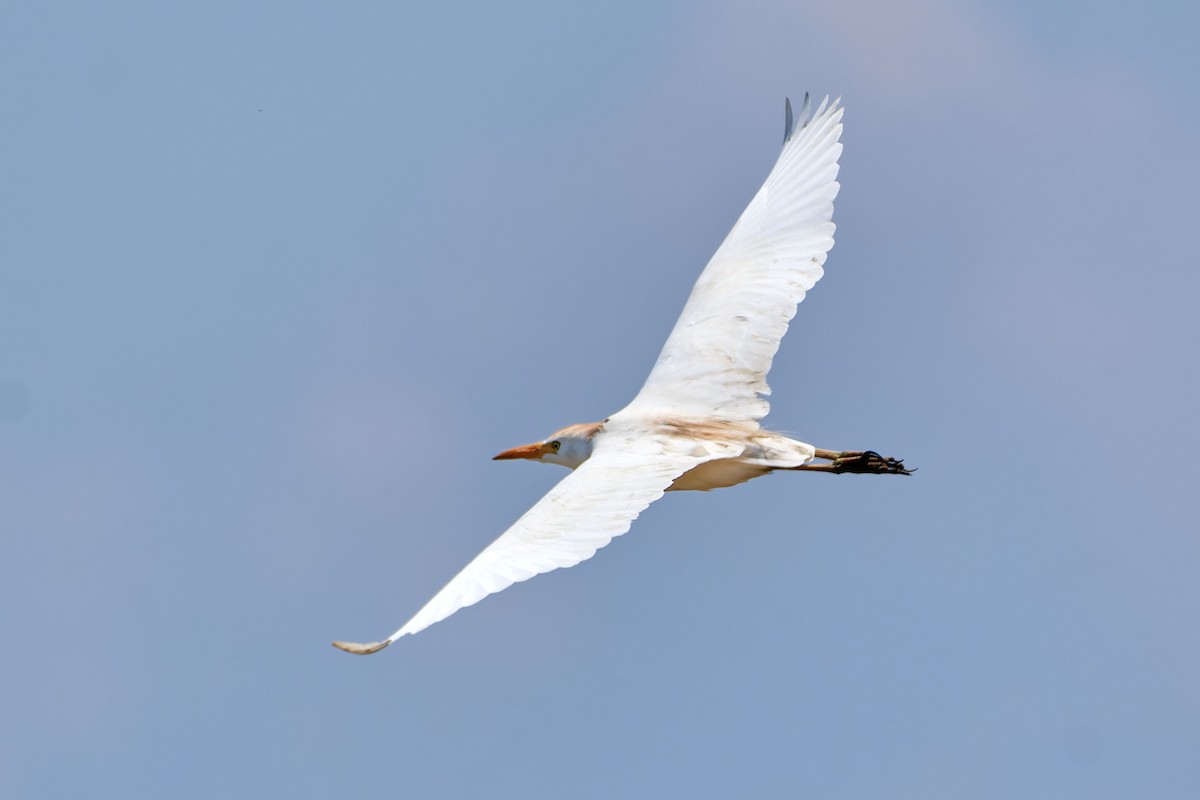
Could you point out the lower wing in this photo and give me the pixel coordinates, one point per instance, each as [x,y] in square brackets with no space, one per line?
[596,502]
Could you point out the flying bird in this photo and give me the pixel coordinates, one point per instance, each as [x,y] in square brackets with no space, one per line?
[695,422]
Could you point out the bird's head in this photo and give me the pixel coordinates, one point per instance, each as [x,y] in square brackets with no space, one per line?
[569,447]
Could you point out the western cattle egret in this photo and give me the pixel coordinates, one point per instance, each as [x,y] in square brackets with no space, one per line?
[695,423]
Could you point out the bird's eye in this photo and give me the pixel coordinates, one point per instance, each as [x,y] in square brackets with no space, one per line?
[555,445]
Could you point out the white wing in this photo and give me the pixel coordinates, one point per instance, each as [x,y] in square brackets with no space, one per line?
[716,359]
[581,514]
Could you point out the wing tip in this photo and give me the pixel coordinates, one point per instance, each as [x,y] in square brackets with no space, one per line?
[362,649]
[789,123]
[796,122]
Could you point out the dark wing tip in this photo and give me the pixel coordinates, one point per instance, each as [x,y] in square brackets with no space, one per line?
[789,126]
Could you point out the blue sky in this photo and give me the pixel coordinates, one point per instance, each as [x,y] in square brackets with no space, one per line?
[277,281]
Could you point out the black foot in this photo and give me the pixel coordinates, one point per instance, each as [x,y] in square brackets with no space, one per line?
[868,462]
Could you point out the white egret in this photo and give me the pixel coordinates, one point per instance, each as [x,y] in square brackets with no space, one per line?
[695,423]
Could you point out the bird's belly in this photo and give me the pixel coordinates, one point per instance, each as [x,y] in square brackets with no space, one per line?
[717,475]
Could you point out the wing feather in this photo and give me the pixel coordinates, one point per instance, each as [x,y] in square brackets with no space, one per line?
[580,515]
[715,361]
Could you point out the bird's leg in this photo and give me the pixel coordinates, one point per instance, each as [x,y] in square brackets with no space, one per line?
[862,462]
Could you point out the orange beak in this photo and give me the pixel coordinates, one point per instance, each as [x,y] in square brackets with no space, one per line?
[534,451]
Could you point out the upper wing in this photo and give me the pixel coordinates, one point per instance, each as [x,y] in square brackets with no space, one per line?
[716,359]
[583,513]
